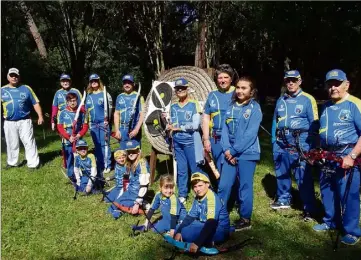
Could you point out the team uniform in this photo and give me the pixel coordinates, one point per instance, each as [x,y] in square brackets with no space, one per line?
[206,222]
[240,137]
[59,101]
[187,118]
[17,104]
[294,112]
[84,168]
[171,209]
[137,188]
[117,191]
[339,132]
[95,108]
[216,106]
[124,105]
[65,128]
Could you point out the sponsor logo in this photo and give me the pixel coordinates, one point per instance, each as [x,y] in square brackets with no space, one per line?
[344,115]
[188,115]
[292,101]
[298,109]
[334,107]
[334,73]
[341,124]
[339,133]
[281,108]
[295,123]
[213,104]
[23,95]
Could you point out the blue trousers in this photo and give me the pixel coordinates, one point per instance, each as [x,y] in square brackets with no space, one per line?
[84,182]
[124,131]
[114,194]
[97,133]
[69,158]
[217,152]
[191,233]
[185,157]
[127,199]
[333,188]
[284,163]
[245,170]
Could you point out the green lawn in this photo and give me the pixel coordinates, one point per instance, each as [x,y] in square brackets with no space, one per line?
[40,220]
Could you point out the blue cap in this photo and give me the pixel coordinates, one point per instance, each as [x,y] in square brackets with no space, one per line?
[336,74]
[64,76]
[81,143]
[132,145]
[94,76]
[128,77]
[292,74]
[181,82]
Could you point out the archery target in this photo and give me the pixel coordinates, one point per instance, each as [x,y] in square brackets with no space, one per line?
[165,91]
[155,124]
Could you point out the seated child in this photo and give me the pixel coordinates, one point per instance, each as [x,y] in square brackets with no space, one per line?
[84,168]
[138,181]
[120,157]
[207,222]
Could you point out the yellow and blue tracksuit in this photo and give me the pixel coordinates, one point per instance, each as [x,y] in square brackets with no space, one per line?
[296,112]
[65,122]
[206,222]
[187,118]
[17,102]
[171,209]
[59,101]
[137,187]
[118,190]
[240,137]
[216,107]
[85,167]
[94,105]
[124,105]
[339,132]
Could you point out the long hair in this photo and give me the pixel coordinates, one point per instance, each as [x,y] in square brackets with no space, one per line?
[90,90]
[226,68]
[132,165]
[254,90]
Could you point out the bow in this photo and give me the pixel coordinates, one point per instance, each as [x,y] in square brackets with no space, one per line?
[76,118]
[136,100]
[106,135]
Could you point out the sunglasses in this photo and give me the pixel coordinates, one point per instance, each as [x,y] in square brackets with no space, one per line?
[94,80]
[82,148]
[13,75]
[333,83]
[293,80]
[180,88]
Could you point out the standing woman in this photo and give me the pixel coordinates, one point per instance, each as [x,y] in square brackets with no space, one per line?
[99,125]
[185,122]
[241,148]
[214,112]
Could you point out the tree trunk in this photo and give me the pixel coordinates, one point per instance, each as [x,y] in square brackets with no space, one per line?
[34,30]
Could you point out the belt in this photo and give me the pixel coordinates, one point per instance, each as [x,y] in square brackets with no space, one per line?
[28,117]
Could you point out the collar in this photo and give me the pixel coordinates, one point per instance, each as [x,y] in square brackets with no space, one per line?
[70,109]
[184,104]
[341,100]
[245,103]
[231,89]
[204,197]
[294,95]
[131,93]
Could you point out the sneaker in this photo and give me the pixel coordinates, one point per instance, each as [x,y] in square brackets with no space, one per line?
[183,200]
[307,217]
[280,205]
[349,240]
[242,224]
[107,170]
[8,166]
[321,227]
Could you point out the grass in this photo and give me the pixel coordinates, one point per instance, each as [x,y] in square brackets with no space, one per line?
[40,220]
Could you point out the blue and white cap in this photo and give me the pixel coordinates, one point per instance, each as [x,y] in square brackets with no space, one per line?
[13,71]
[94,76]
[81,143]
[128,77]
[181,82]
[336,74]
[65,76]
[132,145]
[292,74]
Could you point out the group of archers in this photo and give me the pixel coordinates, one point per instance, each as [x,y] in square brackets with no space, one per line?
[228,124]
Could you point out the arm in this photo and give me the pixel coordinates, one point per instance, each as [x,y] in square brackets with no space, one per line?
[226,145]
[62,131]
[274,128]
[205,131]
[312,116]
[93,173]
[144,182]
[141,115]
[77,172]
[38,110]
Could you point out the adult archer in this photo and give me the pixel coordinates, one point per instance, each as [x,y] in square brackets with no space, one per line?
[340,132]
[128,114]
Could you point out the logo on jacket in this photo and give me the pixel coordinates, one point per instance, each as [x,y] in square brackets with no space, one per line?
[247,114]
[100,101]
[298,109]
[344,115]
[213,104]
[281,108]
[22,95]
[187,115]
[339,133]
[295,123]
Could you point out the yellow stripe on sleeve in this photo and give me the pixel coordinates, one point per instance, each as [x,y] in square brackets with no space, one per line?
[92,158]
[356,101]
[211,205]
[313,104]
[32,93]
[173,205]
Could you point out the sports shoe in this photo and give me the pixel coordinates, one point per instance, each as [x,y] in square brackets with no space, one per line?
[349,240]
[280,205]
[107,170]
[242,224]
[321,227]
[307,217]
[183,200]
[8,166]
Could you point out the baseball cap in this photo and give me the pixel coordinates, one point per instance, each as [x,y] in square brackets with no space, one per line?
[199,176]
[64,76]
[128,77]
[181,82]
[336,74]
[94,76]
[132,145]
[14,71]
[292,74]
[81,143]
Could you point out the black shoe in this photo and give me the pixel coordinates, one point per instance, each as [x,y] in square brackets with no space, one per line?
[8,166]
[307,217]
[242,224]
[35,168]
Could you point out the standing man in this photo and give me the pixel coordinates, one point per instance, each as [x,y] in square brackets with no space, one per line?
[296,127]
[340,132]
[17,100]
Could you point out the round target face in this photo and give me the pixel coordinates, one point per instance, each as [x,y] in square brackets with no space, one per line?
[165,92]
[155,124]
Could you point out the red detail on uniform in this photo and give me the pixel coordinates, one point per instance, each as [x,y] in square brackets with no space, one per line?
[62,131]
[83,130]
[113,135]
[54,113]
[125,183]
[127,209]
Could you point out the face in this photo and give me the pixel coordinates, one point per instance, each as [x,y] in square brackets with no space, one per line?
[181,91]
[72,103]
[133,154]
[243,91]
[128,86]
[337,90]
[13,78]
[224,81]
[200,188]
[82,151]
[167,190]
[121,159]
[94,83]
[65,83]
[292,84]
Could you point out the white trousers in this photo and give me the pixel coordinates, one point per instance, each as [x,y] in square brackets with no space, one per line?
[23,129]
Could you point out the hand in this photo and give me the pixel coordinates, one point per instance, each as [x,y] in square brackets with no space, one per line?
[53,126]
[228,155]
[233,161]
[78,183]
[207,145]
[118,135]
[135,209]
[347,162]
[178,237]
[171,232]
[164,115]
[40,120]
[193,248]
[88,189]
[133,133]
[169,127]
[107,178]
[106,123]
[72,139]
